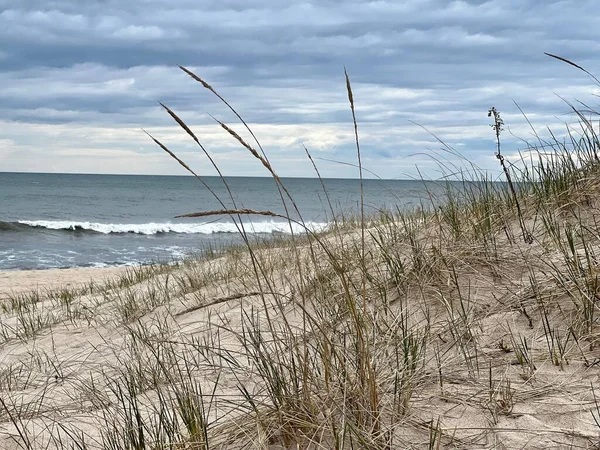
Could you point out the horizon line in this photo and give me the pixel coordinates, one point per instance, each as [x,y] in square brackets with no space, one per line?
[209,176]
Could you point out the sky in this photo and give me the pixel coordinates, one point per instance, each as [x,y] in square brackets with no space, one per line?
[81,80]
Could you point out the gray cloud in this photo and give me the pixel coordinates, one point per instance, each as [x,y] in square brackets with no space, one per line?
[88,75]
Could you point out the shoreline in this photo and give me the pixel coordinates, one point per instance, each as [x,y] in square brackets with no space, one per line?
[26,280]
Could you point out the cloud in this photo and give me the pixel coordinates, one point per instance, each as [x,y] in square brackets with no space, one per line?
[80,80]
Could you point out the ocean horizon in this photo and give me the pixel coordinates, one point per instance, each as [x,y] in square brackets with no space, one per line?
[50,220]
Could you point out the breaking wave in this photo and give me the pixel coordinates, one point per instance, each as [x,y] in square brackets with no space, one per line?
[153,228]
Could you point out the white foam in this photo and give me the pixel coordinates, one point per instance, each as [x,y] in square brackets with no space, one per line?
[183,228]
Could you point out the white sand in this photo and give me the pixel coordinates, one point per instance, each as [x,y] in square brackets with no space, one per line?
[14,281]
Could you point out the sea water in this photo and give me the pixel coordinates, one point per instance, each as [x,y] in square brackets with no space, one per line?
[76,220]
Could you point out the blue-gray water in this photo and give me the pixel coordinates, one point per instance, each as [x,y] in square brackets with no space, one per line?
[59,220]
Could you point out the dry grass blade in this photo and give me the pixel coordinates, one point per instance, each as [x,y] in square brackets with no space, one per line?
[343,163]
[176,158]
[247,146]
[560,58]
[181,123]
[226,103]
[360,172]
[17,425]
[228,212]
[321,181]
[187,129]
[218,301]
[366,366]
[199,80]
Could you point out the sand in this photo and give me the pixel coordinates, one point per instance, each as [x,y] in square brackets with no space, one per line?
[15,281]
[65,360]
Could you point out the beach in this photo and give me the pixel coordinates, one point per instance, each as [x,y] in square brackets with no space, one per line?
[19,281]
[484,339]
[471,324]
[301,225]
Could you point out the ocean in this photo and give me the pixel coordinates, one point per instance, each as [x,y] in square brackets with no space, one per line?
[75,220]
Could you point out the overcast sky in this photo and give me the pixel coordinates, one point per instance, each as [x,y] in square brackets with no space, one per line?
[80,79]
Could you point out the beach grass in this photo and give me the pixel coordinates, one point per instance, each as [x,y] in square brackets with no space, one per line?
[471,322]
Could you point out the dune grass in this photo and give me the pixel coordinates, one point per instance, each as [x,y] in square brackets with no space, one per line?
[469,323]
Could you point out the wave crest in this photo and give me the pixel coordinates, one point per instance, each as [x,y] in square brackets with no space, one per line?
[158,228]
